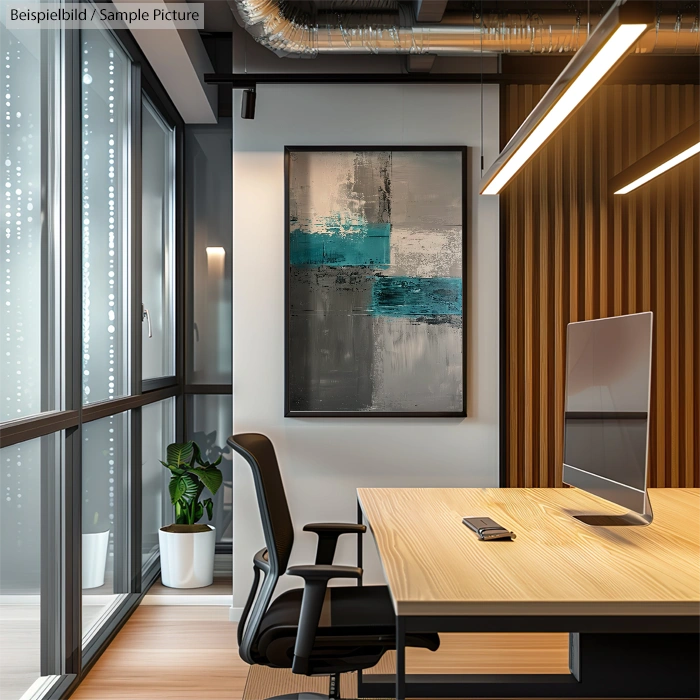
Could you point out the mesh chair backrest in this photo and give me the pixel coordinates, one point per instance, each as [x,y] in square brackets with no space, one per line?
[258,451]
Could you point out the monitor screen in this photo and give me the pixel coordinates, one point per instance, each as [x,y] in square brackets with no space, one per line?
[608,369]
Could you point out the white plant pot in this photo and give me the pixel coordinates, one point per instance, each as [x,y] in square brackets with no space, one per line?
[187,558]
[94,558]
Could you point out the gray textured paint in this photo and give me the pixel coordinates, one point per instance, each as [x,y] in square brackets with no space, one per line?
[426,190]
[372,185]
[326,184]
[426,214]
[420,252]
[330,339]
[417,366]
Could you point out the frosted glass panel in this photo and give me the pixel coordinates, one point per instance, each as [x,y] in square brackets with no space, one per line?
[105,86]
[105,462]
[211,423]
[209,211]
[157,232]
[28,351]
[20,481]
[158,431]
[25,285]
[20,561]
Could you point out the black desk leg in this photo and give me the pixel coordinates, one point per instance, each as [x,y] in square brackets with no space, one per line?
[400,658]
[360,517]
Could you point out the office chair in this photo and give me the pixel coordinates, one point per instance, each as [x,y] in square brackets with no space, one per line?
[316,630]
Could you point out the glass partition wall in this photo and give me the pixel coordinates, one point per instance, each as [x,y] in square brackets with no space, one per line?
[91,386]
[30,388]
[209,408]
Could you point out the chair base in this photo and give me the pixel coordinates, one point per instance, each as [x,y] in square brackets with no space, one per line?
[333,692]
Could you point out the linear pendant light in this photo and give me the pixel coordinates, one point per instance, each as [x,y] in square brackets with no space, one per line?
[615,34]
[684,145]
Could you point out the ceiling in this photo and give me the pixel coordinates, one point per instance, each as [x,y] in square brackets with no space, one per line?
[217,16]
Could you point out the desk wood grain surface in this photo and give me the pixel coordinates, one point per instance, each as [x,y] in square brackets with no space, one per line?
[435,565]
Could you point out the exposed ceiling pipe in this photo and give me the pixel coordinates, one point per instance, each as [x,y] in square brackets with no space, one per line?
[384,26]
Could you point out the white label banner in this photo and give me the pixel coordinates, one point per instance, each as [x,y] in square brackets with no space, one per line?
[120,15]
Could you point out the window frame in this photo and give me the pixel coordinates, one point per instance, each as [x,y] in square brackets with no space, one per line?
[145,566]
[64,661]
[170,276]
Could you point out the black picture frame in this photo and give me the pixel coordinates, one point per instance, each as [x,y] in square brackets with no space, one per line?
[288,412]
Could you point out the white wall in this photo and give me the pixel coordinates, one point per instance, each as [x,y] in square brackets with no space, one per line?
[323,460]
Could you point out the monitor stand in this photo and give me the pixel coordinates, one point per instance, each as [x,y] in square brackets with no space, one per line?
[628,519]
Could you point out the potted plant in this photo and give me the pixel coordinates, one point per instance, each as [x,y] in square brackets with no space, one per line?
[187,546]
[211,451]
[94,555]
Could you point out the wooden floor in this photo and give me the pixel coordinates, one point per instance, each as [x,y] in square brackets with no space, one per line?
[184,652]
[169,653]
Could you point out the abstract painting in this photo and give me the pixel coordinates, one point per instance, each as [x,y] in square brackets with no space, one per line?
[375,281]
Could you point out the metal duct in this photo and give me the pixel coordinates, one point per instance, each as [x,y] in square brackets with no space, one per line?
[391,28]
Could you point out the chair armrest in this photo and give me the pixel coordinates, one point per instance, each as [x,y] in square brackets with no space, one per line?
[328,534]
[339,528]
[316,579]
[324,572]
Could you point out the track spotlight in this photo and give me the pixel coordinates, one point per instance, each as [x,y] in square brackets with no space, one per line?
[248,104]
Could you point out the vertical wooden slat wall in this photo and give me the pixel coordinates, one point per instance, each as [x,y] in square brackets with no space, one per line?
[573,251]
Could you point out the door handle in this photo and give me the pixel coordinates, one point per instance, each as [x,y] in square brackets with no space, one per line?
[146,316]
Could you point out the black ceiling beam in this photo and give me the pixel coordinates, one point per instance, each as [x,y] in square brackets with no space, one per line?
[635,69]
[515,70]
[248,80]
[645,69]
[523,70]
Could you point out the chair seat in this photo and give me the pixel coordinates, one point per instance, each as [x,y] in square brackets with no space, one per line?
[356,628]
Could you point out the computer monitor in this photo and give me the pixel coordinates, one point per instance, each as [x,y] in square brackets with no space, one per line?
[606,415]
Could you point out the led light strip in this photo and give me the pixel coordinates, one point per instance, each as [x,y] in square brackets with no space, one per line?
[688,153]
[590,76]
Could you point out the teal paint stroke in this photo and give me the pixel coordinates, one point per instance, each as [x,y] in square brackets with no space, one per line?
[344,244]
[416,296]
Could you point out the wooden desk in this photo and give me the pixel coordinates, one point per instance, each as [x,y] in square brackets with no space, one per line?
[629,596]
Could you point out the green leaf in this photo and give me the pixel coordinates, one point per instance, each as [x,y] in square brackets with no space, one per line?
[174,470]
[182,488]
[209,505]
[180,453]
[177,489]
[198,513]
[211,477]
[191,488]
